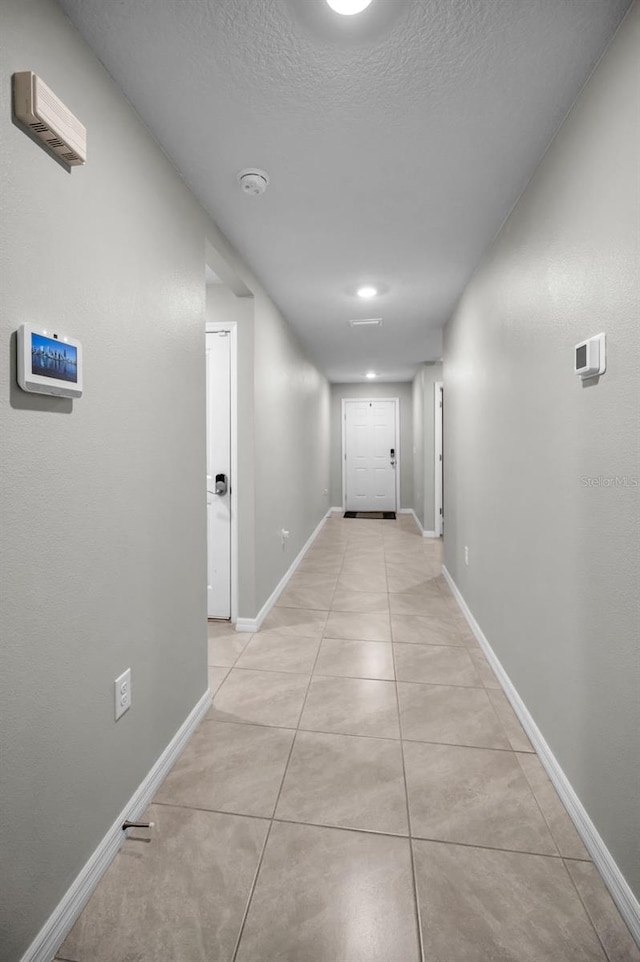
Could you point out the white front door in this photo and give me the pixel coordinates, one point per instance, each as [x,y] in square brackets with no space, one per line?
[219,474]
[370,455]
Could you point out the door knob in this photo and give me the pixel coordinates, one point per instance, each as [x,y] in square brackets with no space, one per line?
[222,484]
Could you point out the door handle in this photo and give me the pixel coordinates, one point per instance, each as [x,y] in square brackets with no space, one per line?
[222,484]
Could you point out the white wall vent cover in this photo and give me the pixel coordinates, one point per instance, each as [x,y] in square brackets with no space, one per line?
[38,108]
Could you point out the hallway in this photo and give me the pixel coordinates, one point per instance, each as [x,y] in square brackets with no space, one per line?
[361,791]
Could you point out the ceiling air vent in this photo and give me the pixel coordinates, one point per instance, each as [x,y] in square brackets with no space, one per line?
[38,108]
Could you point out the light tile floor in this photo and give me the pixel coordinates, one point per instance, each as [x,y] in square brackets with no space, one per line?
[361,791]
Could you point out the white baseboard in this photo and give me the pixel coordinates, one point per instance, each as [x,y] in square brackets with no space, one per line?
[613,878]
[415,517]
[66,913]
[423,532]
[253,624]
[335,510]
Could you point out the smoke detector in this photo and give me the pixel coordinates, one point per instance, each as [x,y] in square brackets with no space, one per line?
[253,181]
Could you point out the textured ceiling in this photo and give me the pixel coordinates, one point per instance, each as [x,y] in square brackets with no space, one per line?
[397,141]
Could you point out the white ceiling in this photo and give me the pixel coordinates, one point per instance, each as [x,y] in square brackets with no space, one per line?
[397,141]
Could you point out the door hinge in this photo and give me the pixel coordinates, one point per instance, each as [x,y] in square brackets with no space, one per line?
[440,457]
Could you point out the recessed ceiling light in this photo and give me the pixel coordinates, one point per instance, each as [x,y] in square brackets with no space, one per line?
[370,374]
[348,7]
[367,292]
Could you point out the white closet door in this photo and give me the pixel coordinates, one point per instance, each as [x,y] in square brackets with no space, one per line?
[219,474]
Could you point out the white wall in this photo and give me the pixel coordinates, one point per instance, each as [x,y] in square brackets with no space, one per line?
[403,391]
[103,510]
[103,502]
[553,557]
[291,447]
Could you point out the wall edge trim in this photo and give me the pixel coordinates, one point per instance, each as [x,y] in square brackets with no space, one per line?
[66,913]
[618,887]
[253,624]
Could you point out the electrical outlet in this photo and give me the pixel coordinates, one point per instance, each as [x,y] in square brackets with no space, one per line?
[284,537]
[122,692]
[466,556]
[325,492]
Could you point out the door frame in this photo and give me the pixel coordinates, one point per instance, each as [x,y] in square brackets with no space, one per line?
[343,453]
[438,399]
[212,327]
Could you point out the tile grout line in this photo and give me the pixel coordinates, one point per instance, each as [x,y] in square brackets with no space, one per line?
[254,883]
[432,684]
[333,596]
[535,797]
[563,858]
[234,637]
[251,891]
[272,819]
[386,738]
[586,910]
[376,832]
[418,919]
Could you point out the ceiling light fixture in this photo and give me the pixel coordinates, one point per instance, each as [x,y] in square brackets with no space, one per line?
[347,8]
[366,322]
[367,292]
[370,375]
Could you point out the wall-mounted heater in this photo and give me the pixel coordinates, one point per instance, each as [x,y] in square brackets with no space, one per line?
[38,108]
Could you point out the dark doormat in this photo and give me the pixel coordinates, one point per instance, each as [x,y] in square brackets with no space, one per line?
[372,515]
